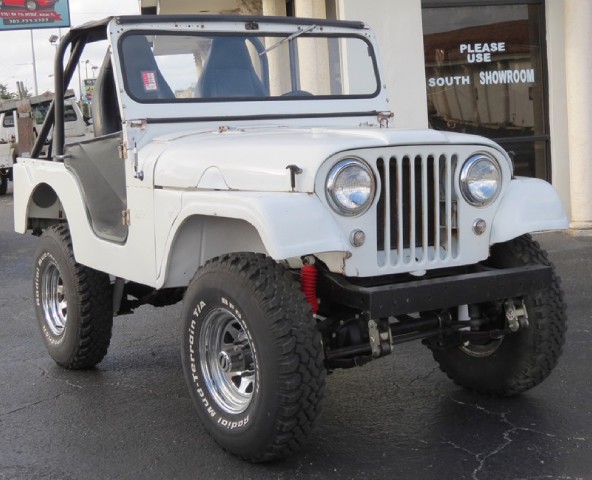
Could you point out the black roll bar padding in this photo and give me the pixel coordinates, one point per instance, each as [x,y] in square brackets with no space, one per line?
[76,38]
[62,78]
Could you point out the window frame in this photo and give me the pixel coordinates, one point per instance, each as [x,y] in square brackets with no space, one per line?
[545,137]
[132,95]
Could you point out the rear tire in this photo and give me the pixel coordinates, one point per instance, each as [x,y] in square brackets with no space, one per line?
[73,303]
[252,356]
[518,361]
[3,184]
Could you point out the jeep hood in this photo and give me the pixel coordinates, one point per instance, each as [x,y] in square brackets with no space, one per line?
[255,159]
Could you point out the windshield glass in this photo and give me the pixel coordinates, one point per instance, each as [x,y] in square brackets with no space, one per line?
[40,112]
[8,120]
[303,65]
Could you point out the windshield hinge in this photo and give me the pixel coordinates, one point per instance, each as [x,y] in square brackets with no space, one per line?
[384,118]
[140,123]
[126,218]
[139,174]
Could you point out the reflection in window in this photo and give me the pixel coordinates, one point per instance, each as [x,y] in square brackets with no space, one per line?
[69,114]
[8,120]
[485,76]
[40,112]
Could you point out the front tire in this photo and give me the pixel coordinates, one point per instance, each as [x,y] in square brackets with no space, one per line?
[252,356]
[73,303]
[518,361]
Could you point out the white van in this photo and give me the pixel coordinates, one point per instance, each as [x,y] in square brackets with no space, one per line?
[7,138]
[76,130]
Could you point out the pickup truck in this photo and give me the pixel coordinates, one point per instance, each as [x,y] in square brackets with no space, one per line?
[248,168]
[75,126]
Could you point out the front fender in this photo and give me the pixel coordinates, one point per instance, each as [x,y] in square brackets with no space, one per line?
[288,224]
[529,205]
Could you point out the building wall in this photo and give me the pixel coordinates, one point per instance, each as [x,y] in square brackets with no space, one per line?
[578,65]
[398,29]
[560,158]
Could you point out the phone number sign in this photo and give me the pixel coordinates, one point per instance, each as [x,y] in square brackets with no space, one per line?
[13,16]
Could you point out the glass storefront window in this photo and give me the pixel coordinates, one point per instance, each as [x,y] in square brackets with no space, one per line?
[486,75]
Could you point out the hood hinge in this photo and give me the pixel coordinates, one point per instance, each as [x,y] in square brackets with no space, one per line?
[122,150]
[126,218]
[384,118]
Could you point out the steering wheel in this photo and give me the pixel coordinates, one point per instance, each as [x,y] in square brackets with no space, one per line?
[297,93]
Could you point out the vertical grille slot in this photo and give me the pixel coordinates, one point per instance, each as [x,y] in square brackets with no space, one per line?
[382,236]
[415,209]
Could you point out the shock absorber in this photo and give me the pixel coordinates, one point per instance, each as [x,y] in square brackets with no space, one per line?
[308,285]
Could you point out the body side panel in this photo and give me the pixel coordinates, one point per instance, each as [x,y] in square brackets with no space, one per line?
[133,260]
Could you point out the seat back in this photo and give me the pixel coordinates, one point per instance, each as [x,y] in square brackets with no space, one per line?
[229,71]
[143,77]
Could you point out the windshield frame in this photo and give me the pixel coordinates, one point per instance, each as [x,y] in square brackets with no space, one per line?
[257,35]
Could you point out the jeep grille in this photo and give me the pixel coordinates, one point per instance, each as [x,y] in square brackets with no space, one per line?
[416,211]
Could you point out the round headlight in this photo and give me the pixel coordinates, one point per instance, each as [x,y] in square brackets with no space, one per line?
[480,180]
[351,187]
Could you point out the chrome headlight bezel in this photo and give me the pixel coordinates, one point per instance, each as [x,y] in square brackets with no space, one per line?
[467,180]
[332,186]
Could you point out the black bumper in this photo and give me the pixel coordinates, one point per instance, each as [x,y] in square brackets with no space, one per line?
[436,293]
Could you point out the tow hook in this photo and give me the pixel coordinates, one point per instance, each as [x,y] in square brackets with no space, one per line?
[516,315]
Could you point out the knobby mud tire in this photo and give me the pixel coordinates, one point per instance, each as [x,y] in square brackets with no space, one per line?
[73,303]
[3,184]
[257,304]
[523,359]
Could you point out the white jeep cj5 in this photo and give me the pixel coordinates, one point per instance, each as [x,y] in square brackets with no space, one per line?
[246,167]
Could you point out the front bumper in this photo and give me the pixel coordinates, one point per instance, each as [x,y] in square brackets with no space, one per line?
[435,293]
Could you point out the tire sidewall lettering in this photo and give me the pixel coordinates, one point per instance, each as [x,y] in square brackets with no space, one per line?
[202,399]
[39,267]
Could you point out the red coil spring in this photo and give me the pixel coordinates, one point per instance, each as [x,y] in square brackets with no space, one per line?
[308,285]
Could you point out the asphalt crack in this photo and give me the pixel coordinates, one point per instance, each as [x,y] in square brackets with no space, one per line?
[482,457]
[33,404]
[424,376]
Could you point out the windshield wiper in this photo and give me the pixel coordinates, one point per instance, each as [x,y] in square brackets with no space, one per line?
[300,31]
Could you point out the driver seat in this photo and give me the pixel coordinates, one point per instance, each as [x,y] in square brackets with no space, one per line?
[229,72]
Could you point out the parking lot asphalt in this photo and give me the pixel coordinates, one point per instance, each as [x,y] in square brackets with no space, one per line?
[396,418]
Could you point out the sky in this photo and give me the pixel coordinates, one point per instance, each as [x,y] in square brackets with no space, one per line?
[16,59]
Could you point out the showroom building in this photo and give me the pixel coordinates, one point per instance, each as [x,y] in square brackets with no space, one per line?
[517,71]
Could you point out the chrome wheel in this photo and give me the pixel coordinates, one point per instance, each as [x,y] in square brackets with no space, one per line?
[252,356]
[227,361]
[481,350]
[516,319]
[53,299]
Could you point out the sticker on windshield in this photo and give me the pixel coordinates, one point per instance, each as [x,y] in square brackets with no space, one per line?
[150,81]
